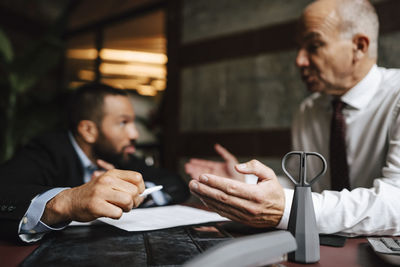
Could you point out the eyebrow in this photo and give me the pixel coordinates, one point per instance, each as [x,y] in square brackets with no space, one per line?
[311,36]
[124,116]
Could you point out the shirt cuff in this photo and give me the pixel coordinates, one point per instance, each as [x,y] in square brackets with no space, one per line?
[250,179]
[30,227]
[160,198]
[283,224]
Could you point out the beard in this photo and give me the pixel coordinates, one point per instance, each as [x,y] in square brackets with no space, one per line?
[104,150]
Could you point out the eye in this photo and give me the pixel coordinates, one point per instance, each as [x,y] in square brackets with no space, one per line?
[123,123]
[314,46]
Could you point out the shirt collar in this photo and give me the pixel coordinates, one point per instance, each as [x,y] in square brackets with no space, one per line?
[86,162]
[362,93]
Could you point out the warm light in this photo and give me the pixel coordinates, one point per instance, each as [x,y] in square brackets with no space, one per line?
[159,84]
[82,53]
[133,56]
[147,90]
[143,71]
[134,70]
[121,83]
[86,75]
[75,84]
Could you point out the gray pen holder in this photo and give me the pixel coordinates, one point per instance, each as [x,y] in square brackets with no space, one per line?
[303,226]
[302,223]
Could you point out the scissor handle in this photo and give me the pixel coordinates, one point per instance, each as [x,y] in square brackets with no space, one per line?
[303,167]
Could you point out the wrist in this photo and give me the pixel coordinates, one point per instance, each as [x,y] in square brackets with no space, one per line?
[57,210]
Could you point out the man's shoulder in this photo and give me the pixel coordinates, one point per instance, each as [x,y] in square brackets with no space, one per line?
[50,138]
[390,77]
[52,142]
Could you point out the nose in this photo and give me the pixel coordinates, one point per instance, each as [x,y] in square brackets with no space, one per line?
[133,133]
[302,58]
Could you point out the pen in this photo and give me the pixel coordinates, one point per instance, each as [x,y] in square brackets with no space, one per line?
[151,190]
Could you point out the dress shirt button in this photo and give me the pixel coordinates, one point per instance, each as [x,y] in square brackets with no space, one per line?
[32,231]
[25,220]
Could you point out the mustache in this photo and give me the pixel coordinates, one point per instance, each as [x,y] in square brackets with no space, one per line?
[305,71]
[131,143]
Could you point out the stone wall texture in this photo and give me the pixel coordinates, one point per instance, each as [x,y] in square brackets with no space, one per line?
[258,92]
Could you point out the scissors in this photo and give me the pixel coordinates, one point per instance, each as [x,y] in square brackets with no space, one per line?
[303,167]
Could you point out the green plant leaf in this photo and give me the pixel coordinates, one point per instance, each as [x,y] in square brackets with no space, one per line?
[6,51]
[29,67]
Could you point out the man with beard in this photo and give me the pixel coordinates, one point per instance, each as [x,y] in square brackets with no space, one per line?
[352,118]
[66,176]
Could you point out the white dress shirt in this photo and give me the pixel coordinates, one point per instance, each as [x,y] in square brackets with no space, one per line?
[372,207]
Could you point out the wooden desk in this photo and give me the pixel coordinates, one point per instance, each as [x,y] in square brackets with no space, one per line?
[356,252]
[12,254]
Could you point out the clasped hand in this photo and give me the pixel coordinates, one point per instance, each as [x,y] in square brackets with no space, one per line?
[107,194]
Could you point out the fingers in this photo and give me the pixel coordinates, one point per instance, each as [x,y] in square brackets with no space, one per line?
[122,200]
[107,195]
[104,209]
[132,177]
[225,154]
[256,205]
[88,202]
[132,185]
[257,168]
[105,165]
[119,185]
[195,167]
[204,163]
[242,210]
[219,187]
[111,211]
[120,188]
[255,220]
[195,171]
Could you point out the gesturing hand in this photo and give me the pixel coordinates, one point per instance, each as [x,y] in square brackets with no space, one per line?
[108,195]
[196,167]
[259,205]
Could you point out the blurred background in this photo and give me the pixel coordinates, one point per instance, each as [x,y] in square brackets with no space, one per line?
[198,71]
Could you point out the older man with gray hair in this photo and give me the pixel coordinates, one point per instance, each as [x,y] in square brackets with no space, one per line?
[351,118]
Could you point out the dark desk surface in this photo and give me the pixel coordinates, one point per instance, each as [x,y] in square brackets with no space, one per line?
[104,245]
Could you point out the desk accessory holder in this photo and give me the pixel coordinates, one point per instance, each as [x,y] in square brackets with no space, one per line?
[302,222]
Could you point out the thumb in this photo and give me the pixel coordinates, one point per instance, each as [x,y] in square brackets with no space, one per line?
[105,165]
[225,154]
[257,168]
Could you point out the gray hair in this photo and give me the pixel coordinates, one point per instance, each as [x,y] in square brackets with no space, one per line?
[359,17]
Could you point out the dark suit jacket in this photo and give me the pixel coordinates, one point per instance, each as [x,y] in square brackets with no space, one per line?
[50,161]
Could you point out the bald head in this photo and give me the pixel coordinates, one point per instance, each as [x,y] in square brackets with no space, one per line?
[350,17]
[337,44]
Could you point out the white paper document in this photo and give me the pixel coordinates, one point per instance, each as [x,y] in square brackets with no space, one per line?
[162,217]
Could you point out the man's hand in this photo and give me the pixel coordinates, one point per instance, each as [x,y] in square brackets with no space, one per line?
[196,167]
[259,205]
[103,165]
[108,195]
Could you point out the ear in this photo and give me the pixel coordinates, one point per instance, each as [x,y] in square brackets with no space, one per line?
[360,46]
[87,129]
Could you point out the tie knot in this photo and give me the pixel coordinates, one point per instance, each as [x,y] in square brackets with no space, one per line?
[337,105]
[92,168]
